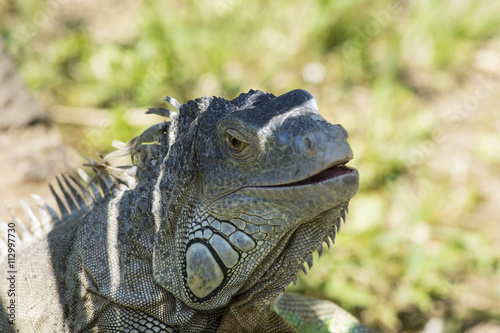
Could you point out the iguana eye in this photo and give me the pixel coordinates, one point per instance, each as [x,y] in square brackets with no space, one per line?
[241,145]
[235,141]
[236,145]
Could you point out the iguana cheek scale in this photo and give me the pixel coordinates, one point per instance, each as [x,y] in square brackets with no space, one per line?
[203,232]
[204,274]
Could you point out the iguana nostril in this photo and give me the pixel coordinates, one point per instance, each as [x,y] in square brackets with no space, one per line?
[309,144]
[305,144]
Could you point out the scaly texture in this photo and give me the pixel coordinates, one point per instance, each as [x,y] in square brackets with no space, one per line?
[216,216]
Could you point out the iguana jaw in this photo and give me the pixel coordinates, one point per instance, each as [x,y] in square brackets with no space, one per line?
[334,171]
[313,207]
[326,180]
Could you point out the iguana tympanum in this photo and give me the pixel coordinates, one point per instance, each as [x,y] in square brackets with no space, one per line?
[216,215]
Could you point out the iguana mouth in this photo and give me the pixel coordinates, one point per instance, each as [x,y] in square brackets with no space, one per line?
[334,171]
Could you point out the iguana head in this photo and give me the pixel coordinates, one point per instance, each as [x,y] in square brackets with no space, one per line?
[248,189]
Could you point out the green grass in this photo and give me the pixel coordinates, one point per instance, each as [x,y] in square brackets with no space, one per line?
[413,243]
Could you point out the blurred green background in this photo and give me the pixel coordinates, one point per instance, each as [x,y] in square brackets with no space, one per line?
[416,84]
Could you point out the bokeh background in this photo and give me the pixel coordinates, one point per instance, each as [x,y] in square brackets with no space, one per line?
[416,84]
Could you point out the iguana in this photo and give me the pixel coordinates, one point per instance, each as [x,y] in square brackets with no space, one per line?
[203,232]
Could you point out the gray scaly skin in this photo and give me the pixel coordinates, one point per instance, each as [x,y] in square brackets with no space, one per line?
[203,233]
